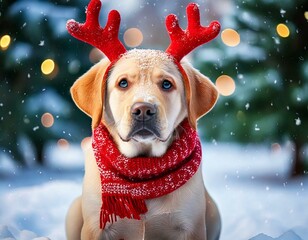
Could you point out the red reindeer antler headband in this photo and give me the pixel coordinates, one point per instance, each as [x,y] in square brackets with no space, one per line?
[106,39]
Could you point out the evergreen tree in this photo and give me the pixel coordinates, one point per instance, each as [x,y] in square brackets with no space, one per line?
[270,68]
[37,32]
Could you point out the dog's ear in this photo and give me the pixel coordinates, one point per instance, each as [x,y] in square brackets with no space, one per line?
[202,94]
[88,92]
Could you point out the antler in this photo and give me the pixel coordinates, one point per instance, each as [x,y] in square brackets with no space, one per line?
[184,41]
[105,39]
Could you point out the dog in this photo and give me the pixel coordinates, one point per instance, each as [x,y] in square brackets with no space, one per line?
[147,85]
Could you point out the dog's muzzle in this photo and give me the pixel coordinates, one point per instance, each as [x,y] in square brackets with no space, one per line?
[142,111]
[144,122]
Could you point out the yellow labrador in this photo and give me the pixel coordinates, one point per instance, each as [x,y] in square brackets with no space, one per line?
[137,83]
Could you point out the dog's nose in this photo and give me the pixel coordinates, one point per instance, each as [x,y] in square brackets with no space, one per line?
[142,111]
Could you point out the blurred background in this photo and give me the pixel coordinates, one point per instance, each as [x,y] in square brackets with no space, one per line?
[259,63]
[255,138]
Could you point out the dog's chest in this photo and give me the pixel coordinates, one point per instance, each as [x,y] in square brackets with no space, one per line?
[173,216]
[176,215]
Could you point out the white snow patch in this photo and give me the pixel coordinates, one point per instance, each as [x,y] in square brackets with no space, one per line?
[70,157]
[7,166]
[39,208]
[251,187]
[249,184]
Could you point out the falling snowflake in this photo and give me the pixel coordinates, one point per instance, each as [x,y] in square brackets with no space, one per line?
[247,106]
[282,12]
[297,121]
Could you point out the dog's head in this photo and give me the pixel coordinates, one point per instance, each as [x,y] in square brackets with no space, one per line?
[142,95]
[144,98]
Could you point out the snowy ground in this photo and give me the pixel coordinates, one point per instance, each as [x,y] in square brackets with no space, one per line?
[249,184]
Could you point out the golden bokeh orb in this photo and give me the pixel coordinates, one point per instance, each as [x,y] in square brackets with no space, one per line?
[96,55]
[47,120]
[5,42]
[276,147]
[86,143]
[63,143]
[225,85]
[47,66]
[230,37]
[283,30]
[133,37]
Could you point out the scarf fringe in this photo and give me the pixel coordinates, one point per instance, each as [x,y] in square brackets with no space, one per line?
[122,207]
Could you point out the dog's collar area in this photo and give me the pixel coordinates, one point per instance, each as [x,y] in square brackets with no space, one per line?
[127,182]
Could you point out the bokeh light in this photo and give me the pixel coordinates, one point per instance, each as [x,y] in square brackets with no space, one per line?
[47,120]
[63,143]
[74,66]
[86,143]
[5,42]
[276,147]
[47,66]
[96,55]
[225,85]
[241,116]
[133,37]
[230,37]
[306,15]
[283,30]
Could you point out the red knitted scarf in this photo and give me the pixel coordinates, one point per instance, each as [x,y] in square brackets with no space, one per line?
[127,182]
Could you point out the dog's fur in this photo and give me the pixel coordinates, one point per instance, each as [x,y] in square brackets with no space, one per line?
[187,213]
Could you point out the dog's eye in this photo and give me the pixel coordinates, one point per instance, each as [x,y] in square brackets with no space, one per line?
[166,85]
[123,83]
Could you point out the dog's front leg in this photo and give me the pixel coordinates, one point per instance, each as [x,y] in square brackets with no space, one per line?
[74,220]
[122,229]
[88,233]
[213,221]
[128,229]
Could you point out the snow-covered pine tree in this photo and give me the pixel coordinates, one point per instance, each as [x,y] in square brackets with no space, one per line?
[37,32]
[270,69]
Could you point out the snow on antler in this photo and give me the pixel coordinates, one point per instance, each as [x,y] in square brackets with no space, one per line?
[184,41]
[105,39]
